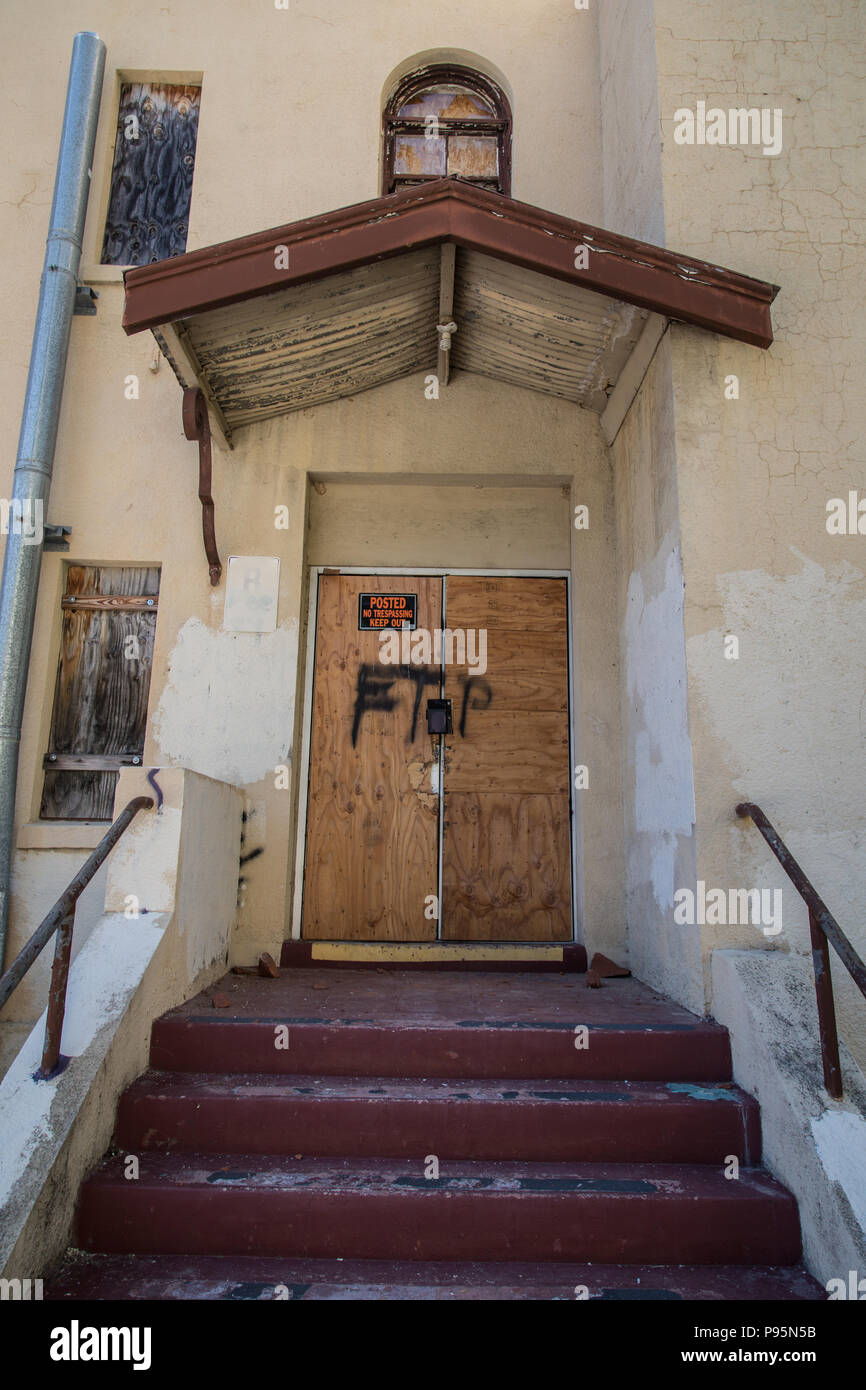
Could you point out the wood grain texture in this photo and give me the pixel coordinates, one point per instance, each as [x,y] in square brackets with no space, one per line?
[102,688]
[372,820]
[151,175]
[506,867]
[517,605]
[509,751]
[527,674]
[507,824]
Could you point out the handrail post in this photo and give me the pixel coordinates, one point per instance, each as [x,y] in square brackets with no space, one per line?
[826,1008]
[825,932]
[57,996]
[61,920]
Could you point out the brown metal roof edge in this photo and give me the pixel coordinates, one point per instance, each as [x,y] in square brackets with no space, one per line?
[649,276]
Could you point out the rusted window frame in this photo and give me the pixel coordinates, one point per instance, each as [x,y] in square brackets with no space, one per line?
[439,73]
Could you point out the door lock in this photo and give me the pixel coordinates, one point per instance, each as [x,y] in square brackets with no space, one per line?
[439,717]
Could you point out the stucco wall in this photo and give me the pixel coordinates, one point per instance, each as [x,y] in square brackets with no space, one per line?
[658,794]
[782,724]
[291,101]
[630,131]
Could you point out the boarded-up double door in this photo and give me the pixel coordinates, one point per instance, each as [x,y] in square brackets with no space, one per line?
[410,836]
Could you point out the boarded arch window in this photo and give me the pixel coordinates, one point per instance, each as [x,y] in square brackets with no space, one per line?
[151,175]
[445,121]
[103,683]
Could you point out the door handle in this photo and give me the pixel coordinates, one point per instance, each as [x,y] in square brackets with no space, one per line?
[439,719]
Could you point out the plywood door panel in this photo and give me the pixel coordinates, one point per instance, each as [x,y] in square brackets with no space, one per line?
[513,751]
[506,868]
[515,604]
[372,822]
[506,871]
[526,675]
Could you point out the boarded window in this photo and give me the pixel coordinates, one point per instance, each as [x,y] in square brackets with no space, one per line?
[151,177]
[103,681]
[445,121]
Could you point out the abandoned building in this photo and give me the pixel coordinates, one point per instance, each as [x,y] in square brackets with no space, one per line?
[431,746]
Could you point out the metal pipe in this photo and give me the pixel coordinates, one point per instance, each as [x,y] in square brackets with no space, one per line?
[39,420]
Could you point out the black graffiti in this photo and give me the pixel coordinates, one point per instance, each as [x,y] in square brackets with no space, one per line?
[469,684]
[374,684]
[372,692]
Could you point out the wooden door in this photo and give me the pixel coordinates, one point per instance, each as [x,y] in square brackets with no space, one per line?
[506,857]
[372,848]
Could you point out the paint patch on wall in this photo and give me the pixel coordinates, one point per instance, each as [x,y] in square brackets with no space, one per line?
[794,745]
[227,710]
[664,805]
[803,624]
[840,1138]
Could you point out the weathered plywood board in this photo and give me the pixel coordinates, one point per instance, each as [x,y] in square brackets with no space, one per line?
[103,684]
[514,751]
[506,868]
[372,820]
[506,850]
[524,606]
[151,175]
[529,675]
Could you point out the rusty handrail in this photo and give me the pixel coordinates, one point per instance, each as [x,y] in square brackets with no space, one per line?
[61,919]
[823,927]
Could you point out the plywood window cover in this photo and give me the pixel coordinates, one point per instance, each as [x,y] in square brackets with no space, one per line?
[451,210]
[111,590]
[425,80]
[151,177]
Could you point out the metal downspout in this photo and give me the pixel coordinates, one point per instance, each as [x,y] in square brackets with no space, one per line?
[32,479]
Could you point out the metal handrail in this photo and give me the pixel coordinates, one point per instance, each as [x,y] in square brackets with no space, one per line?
[823,927]
[61,919]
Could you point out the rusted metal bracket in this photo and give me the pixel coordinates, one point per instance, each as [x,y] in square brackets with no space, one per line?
[196,425]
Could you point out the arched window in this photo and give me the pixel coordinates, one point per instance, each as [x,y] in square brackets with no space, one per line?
[447,120]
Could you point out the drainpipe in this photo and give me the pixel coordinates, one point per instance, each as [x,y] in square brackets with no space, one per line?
[32,478]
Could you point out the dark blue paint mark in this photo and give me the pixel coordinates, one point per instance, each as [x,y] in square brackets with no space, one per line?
[151,778]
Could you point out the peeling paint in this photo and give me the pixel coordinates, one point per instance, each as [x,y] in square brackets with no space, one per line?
[840,1138]
[227,709]
[654,645]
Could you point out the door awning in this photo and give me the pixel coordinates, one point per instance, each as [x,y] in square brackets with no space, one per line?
[442,277]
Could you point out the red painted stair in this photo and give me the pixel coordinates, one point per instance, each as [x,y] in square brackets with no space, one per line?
[289,1140]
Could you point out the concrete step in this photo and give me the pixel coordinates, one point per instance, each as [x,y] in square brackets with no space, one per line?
[246,1204]
[94,1277]
[440,1024]
[549,1119]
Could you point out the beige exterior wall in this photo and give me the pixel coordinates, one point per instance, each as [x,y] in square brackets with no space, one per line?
[728,495]
[658,791]
[782,725]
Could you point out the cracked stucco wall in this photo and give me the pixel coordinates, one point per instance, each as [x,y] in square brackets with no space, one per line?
[656,751]
[630,134]
[783,724]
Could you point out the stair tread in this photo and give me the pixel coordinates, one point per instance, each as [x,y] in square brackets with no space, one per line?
[447,999]
[94,1276]
[257,1172]
[517,1091]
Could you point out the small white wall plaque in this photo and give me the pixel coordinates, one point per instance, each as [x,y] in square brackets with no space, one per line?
[252,586]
